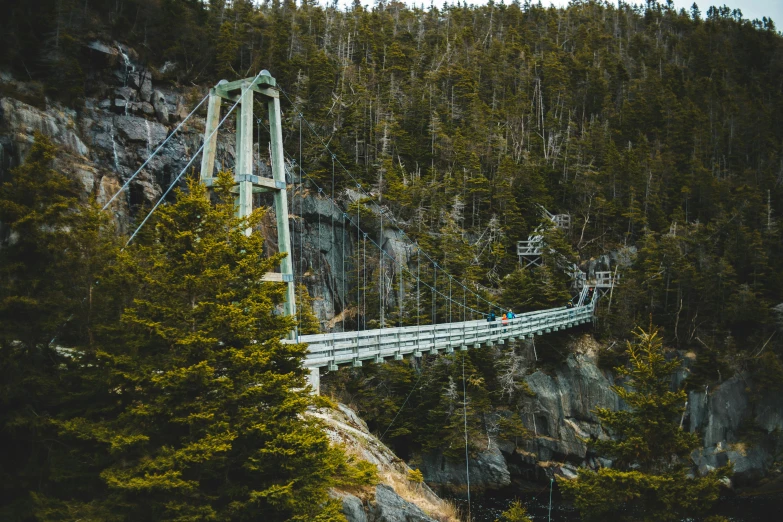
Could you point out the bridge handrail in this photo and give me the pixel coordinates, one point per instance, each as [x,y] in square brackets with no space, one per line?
[345,347]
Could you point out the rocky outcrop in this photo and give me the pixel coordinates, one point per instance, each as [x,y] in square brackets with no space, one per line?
[488,470]
[395,499]
[737,429]
[560,415]
[123,119]
[734,428]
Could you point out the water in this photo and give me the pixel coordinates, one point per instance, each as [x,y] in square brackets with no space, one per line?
[114,150]
[149,136]
[129,68]
[488,508]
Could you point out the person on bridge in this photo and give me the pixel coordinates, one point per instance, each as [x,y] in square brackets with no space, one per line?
[511,315]
[504,320]
[491,319]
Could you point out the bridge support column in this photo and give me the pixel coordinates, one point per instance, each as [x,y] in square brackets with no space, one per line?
[244,91]
[314,380]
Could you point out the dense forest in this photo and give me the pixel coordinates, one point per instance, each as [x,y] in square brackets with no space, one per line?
[657,130]
[652,127]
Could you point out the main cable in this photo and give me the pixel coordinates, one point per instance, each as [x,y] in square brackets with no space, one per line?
[125,185]
[206,140]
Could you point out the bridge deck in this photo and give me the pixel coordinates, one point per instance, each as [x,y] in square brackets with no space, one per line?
[376,345]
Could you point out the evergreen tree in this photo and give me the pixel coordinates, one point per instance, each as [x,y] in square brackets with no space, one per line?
[186,405]
[515,513]
[308,322]
[649,478]
[50,262]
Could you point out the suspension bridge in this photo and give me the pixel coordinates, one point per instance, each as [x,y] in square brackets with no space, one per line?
[330,350]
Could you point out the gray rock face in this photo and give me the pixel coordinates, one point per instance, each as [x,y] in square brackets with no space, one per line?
[141,130]
[23,121]
[387,506]
[718,416]
[735,429]
[390,507]
[109,139]
[488,470]
[352,507]
[561,414]
[344,427]
[161,109]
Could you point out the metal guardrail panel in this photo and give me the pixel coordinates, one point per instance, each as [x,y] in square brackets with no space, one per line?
[346,347]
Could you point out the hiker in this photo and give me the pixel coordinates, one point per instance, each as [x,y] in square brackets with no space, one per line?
[491,320]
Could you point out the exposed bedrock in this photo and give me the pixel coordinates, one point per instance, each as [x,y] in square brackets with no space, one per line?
[733,428]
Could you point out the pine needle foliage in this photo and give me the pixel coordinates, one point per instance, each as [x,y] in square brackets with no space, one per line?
[649,479]
[176,399]
[515,513]
[207,421]
[51,254]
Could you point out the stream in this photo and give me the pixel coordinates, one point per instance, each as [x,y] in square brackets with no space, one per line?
[487,508]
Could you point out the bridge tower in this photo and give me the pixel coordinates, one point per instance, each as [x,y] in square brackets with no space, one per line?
[265,87]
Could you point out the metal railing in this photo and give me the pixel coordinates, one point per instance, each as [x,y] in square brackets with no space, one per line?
[333,349]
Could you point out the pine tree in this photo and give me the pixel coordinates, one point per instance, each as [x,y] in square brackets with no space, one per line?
[648,479]
[55,252]
[194,408]
[515,513]
[308,321]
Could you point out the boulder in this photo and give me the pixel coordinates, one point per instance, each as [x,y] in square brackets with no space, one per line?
[102,55]
[161,110]
[388,506]
[488,470]
[137,129]
[352,507]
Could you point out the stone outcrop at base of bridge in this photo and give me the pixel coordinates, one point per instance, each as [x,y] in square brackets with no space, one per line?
[396,499]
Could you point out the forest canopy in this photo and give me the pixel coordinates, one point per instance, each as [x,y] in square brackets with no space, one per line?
[656,129]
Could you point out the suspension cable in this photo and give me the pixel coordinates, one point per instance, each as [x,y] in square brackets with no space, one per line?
[418,290]
[357,224]
[334,282]
[359,231]
[173,183]
[364,286]
[176,129]
[301,210]
[465,420]
[435,297]
[358,268]
[449,298]
[318,247]
[381,276]
[400,283]
[345,169]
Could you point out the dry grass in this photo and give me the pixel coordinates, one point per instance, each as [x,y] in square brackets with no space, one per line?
[437,508]
[392,470]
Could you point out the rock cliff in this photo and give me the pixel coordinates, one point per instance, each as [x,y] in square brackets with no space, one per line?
[396,499]
[560,415]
